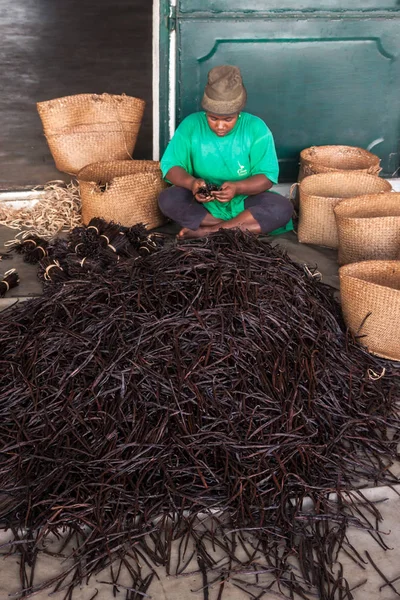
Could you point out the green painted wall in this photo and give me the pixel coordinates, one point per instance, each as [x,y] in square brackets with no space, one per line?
[281,5]
[313,79]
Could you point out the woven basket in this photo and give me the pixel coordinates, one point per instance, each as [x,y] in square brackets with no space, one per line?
[329,159]
[87,128]
[368,228]
[370,295]
[122,191]
[318,196]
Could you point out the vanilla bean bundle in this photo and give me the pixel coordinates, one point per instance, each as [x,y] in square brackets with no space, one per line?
[9,280]
[93,248]
[32,247]
[51,270]
[100,238]
[214,378]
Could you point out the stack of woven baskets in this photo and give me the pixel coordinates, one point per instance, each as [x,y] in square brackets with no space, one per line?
[93,137]
[344,204]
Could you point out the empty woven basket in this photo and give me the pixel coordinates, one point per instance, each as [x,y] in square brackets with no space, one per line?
[368,228]
[370,295]
[122,191]
[329,159]
[89,128]
[318,196]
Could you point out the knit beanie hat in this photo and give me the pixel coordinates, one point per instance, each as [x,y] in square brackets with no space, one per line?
[225,93]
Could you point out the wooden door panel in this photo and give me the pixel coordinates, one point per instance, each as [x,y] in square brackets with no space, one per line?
[314,81]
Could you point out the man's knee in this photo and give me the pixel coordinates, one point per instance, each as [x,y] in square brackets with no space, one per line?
[174,200]
[271,210]
[277,205]
[170,202]
[166,201]
[285,207]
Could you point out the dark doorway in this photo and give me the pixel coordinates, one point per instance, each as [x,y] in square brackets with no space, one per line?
[54,48]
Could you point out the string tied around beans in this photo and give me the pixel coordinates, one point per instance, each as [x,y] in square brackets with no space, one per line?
[8,281]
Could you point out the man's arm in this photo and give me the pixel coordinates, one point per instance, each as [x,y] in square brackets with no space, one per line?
[253,185]
[180,177]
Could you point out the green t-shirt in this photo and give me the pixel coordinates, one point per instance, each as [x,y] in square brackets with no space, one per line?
[245,151]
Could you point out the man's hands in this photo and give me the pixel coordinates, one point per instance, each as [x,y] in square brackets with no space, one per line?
[197,184]
[227,192]
[247,187]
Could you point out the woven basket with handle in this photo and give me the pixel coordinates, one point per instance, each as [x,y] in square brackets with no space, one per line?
[318,196]
[122,191]
[88,128]
[370,296]
[329,159]
[368,227]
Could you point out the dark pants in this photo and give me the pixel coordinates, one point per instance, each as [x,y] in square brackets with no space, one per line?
[270,210]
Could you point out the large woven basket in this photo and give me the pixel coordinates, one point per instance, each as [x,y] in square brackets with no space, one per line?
[368,228]
[318,196]
[88,128]
[370,295]
[329,159]
[122,191]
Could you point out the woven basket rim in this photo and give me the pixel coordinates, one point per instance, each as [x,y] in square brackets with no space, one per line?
[340,176]
[386,356]
[358,203]
[331,199]
[119,179]
[338,148]
[89,134]
[392,195]
[371,283]
[366,217]
[102,96]
[344,174]
[343,272]
[363,218]
[156,172]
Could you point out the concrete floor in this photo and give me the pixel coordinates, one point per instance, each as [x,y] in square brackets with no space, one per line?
[172,588]
[187,586]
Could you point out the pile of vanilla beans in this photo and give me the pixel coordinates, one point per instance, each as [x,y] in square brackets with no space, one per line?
[205,396]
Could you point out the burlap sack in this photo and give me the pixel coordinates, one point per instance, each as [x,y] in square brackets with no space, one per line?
[122,191]
[370,296]
[318,196]
[89,128]
[368,227]
[329,159]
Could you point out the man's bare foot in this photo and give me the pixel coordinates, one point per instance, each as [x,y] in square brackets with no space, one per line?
[243,221]
[187,234]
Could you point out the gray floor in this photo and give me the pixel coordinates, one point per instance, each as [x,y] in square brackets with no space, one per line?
[186,586]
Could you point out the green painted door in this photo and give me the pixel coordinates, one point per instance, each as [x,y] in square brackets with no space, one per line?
[316,72]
